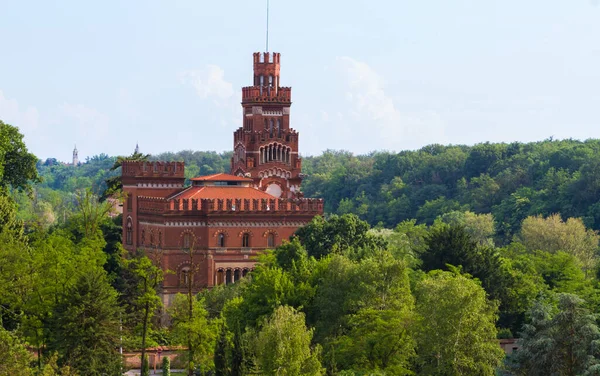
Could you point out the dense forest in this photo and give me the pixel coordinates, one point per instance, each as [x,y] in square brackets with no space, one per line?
[423,261]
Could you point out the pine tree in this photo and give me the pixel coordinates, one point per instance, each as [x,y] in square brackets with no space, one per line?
[85,326]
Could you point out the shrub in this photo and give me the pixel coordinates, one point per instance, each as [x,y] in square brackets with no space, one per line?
[166,366]
[145,366]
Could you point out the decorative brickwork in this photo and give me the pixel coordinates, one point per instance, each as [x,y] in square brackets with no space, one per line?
[223,220]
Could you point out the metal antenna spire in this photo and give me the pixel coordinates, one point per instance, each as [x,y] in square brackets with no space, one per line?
[267,26]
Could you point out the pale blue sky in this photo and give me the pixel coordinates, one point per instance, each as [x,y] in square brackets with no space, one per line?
[366,75]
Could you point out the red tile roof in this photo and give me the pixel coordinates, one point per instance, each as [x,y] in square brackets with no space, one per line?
[222,192]
[221,177]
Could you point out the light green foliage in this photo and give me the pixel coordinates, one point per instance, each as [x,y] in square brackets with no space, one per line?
[196,330]
[551,234]
[52,369]
[14,356]
[283,346]
[149,277]
[407,241]
[565,341]
[480,227]
[456,333]
[166,366]
[378,334]
[270,288]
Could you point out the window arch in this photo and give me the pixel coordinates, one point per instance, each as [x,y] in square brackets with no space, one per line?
[185,276]
[129,232]
[245,240]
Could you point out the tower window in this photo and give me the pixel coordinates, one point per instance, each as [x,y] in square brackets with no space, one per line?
[129,203]
[221,240]
[129,234]
[186,241]
[271,240]
[246,240]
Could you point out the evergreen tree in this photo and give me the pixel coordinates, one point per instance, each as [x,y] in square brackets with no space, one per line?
[221,368]
[85,326]
[565,342]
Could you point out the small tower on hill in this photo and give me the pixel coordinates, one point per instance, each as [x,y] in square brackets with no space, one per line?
[137,149]
[75,157]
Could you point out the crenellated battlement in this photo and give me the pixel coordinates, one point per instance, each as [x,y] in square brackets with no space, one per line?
[153,169]
[266,58]
[154,205]
[266,94]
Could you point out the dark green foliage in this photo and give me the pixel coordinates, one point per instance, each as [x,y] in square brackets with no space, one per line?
[345,234]
[17,165]
[145,366]
[221,368]
[85,326]
[565,341]
[512,181]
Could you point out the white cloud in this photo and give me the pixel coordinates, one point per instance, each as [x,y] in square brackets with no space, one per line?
[208,82]
[374,116]
[27,119]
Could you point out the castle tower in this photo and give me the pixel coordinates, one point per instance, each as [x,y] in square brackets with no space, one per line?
[75,157]
[266,147]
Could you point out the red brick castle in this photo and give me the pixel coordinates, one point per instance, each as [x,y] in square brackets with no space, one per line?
[210,232]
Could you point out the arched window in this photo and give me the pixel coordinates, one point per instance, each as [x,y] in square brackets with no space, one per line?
[143,237]
[246,240]
[185,276]
[271,240]
[221,240]
[129,234]
[186,241]
[129,202]
[271,128]
[151,237]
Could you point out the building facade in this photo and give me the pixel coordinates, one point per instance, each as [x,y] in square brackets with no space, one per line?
[212,231]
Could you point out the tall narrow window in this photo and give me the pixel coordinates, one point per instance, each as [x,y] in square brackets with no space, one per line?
[246,240]
[129,202]
[129,235]
[185,276]
[278,129]
[271,128]
[270,240]
[186,241]
[221,240]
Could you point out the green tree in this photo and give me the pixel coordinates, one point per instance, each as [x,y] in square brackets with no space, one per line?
[15,357]
[456,333]
[283,345]
[149,276]
[196,330]
[377,336]
[345,234]
[114,186]
[562,342]
[17,165]
[552,235]
[85,326]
